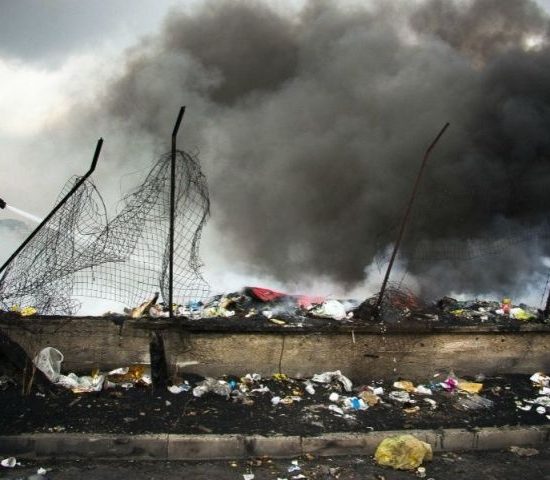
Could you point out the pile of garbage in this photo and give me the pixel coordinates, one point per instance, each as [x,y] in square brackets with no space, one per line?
[251,302]
[540,402]
[278,308]
[488,311]
[282,308]
[49,360]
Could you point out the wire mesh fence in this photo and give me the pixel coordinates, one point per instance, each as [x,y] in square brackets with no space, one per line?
[80,252]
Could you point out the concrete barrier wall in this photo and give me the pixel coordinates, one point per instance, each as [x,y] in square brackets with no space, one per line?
[363,354]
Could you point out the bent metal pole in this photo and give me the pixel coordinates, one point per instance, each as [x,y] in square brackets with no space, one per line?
[405,219]
[56,208]
[172,214]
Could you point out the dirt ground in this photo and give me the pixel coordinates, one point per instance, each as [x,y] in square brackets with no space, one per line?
[141,410]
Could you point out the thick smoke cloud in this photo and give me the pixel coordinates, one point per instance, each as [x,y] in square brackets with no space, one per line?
[312,128]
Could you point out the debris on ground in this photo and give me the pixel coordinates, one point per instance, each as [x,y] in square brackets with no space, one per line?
[524,452]
[402,452]
[49,360]
[9,462]
[24,311]
[324,402]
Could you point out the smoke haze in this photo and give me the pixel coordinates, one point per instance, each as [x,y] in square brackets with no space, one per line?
[312,127]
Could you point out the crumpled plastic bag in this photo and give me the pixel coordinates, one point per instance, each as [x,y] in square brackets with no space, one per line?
[82,384]
[209,384]
[330,309]
[470,387]
[402,452]
[404,385]
[48,361]
[25,311]
[328,377]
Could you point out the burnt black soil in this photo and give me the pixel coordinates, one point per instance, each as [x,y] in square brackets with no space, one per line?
[142,410]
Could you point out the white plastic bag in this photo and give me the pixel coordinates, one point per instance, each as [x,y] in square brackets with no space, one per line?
[48,361]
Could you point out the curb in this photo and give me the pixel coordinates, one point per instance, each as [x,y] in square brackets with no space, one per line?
[217,447]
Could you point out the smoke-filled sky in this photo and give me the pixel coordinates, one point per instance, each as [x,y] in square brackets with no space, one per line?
[311,119]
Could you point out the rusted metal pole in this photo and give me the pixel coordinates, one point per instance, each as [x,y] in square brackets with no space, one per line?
[405,219]
[173,213]
[57,207]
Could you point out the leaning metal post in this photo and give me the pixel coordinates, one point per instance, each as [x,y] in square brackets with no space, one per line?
[406,218]
[56,208]
[547,308]
[172,214]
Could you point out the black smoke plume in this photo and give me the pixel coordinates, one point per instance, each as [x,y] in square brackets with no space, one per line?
[312,127]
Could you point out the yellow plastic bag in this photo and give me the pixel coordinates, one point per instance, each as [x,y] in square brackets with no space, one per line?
[404,385]
[24,312]
[402,452]
[470,387]
[28,311]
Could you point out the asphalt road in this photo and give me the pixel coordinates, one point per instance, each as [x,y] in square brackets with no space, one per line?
[501,465]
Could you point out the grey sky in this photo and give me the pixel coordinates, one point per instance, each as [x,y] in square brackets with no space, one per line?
[46,31]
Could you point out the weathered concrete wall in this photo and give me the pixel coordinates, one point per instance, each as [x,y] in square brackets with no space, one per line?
[365,355]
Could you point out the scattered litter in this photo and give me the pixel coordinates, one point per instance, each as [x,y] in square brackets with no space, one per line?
[422,390]
[336,409]
[540,379]
[355,403]
[431,402]
[48,361]
[294,467]
[521,314]
[9,462]
[309,388]
[334,397]
[421,472]
[330,309]
[6,382]
[524,452]
[24,311]
[541,410]
[544,401]
[400,396]
[473,402]
[450,385]
[138,311]
[404,385]
[402,452]
[82,384]
[329,377]
[248,476]
[41,471]
[377,390]
[183,387]
[470,387]
[369,398]
[219,387]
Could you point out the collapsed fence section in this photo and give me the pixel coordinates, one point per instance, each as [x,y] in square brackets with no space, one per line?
[80,252]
